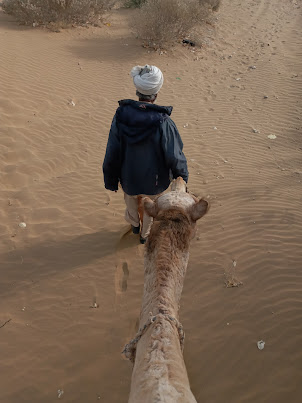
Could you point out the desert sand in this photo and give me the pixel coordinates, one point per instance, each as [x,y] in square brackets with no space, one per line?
[72,279]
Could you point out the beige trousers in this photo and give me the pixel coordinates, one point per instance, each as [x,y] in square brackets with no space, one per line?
[132,213]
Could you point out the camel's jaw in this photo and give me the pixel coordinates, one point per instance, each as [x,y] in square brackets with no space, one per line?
[179,185]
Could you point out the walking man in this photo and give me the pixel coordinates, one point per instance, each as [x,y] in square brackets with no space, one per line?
[144,149]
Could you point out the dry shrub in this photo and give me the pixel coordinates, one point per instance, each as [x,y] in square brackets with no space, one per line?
[56,11]
[160,22]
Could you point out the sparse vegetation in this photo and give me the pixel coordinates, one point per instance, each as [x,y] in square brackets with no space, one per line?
[44,12]
[159,22]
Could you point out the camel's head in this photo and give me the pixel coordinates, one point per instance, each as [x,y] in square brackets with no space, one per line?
[176,205]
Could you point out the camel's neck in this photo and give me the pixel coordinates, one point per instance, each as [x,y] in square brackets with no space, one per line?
[159,373]
[165,269]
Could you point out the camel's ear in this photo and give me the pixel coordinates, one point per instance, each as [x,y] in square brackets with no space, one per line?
[150,207]
[198,209]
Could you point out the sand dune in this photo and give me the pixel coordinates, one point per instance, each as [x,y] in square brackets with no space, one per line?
[71,281]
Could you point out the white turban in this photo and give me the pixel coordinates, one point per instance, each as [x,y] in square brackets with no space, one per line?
[148,80]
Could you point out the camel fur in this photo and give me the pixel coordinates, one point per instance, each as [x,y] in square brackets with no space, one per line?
[159,373]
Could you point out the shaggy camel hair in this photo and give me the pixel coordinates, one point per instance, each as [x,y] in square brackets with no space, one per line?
[159,373]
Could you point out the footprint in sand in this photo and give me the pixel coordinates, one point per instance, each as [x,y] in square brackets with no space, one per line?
[121,278]
[124,283]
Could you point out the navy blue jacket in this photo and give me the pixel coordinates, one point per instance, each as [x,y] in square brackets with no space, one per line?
[144,149]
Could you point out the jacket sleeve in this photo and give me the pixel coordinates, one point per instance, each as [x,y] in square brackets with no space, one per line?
[112,160]
[172,147]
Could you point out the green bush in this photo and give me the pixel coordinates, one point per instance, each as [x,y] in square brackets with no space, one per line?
[56,11]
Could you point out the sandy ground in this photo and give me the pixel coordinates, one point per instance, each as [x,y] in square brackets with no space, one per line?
[74,254]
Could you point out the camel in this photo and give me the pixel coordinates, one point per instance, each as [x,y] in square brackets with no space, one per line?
[159,373]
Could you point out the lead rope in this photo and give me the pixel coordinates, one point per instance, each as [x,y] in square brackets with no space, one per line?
[130,348]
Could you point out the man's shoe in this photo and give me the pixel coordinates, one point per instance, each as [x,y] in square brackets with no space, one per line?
[142,240]
[135,230]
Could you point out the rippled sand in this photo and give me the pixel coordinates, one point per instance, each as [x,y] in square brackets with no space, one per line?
[72,280]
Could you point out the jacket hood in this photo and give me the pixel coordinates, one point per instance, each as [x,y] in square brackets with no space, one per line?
[139,120]
[148,106]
